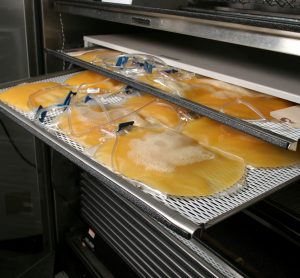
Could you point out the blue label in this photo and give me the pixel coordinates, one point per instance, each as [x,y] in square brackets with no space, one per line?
[148,67]
[122,61]
[87,99]
[67,99]
[171,71]
[124,125]
[41,116]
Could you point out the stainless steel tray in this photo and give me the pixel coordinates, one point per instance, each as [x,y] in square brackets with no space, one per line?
[264,132]
[185,216]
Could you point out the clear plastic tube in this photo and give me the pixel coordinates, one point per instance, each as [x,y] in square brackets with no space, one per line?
[50,96]
[135,64]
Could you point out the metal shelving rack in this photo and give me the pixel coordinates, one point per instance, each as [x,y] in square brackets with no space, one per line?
[263,132]
[185,216]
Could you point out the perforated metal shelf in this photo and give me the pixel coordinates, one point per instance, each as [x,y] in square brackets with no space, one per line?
[185,216]
[268,132]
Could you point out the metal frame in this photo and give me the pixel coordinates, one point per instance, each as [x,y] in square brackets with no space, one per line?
[46,196]
[33,32]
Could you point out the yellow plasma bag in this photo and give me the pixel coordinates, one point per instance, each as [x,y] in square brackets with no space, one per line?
[97,55]
[155,110]
[233,100]
[89,124]
[254,151]
[170,162]
[18,96]
[93,80]
[50,96]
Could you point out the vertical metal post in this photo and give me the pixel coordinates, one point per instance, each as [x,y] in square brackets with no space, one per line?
[42,152]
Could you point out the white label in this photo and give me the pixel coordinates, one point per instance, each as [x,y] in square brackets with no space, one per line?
[92,233]
[93,90]
[78,53]
[128,2]
[290,115]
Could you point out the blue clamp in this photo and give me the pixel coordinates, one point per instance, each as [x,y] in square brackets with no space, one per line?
[122,60]
[87,99]
[171,70]
[68,98]
[148,67]
[42,115]
[124,125]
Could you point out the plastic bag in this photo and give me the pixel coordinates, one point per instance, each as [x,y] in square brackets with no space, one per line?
[233,100]
[18,96]
[94,55]
[58,95]
[170,162]
[158,111]
[95,83]
[134,65]
[254,151]
[87,123]
[165,82]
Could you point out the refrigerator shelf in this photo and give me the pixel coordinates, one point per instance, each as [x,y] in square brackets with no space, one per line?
[185,216]
[264,132]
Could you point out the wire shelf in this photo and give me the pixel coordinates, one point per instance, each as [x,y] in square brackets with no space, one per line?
[205,210]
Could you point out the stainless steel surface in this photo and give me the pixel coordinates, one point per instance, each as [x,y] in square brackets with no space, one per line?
[42,157]
[262,38]
[20,198]
[183,214]
[265,134]
[19,40]
[67,147]
[14,63]
[67,31]
[20,214]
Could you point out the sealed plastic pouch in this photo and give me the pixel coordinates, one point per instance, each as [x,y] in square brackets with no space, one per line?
[94,82]
[158,111]
[92,55]
[58,95]
[233,100]
[87,122]
[134,65]
[254,151]
[18,96]
[170,162]
[165,81]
